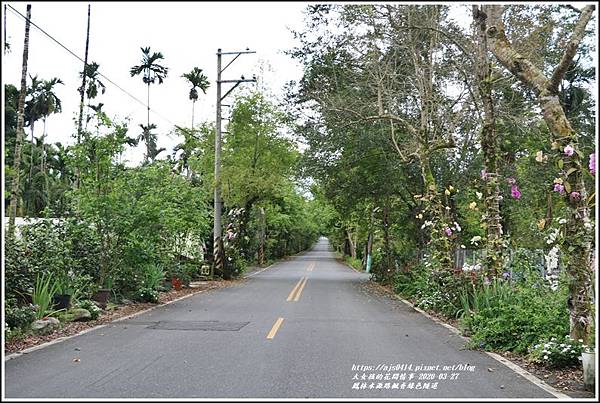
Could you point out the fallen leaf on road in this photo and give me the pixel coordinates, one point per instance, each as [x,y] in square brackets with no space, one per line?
[491,369]
[76,360]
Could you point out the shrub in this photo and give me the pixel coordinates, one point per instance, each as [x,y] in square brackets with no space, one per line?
[554,354]
[513,317]
[91,307]
[146,294]
[43,293]
[154,275]
[18,276]
[18,317]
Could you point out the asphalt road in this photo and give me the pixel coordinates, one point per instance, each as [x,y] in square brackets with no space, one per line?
[308,327]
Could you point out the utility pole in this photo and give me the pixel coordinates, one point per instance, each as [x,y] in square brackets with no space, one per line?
[219,255]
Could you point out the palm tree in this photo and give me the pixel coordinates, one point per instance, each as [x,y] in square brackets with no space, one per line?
[187,148]
[49,103]
[14,190]
[93,83]
[149,138]
[197,80]
[151,70]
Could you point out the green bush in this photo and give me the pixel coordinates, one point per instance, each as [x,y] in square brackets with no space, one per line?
[146,294]
[43,293]
[18,317]
[91,307]
[554,354]
[513,317]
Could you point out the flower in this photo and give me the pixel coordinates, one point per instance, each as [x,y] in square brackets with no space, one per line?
[484,174]
[472,205]
[448,231]
[558,180]
[575,195]
[559,188]
[419,216]
[506,275]
[479,195]
[475,239]
[447,192]
[514,192]
[540,157]
[592,164]
[569,150]
[457,227]
[486,281]
[511,180]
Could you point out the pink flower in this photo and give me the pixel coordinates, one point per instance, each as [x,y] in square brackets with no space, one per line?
[484,174]
[559,188]
[569,150]
[592,165]
[448,231]
[511,181]
[514,192]
[575,195]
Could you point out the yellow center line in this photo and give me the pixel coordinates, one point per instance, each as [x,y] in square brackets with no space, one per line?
[300,290]
[291,296]
[275,328]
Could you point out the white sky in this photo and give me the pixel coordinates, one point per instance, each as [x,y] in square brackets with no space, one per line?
[188,34]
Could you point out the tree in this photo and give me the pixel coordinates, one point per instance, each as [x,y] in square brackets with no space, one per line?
[197,80]
[14,196]
[93,83]
[149,138]
[569,157]
[152,71]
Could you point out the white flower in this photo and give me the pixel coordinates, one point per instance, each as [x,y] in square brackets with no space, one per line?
[562,221]
[479,195]
[458,228]
[545,357]
[475,239]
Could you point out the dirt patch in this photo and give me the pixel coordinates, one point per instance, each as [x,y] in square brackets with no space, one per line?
[567,380]
[72,328]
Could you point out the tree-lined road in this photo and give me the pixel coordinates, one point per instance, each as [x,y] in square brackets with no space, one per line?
[305,327]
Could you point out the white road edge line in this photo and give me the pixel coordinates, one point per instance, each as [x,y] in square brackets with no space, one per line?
[521,371]
[60,339]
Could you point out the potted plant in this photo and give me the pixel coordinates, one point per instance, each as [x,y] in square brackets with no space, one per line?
[588,359]
[63,293]
[103,294]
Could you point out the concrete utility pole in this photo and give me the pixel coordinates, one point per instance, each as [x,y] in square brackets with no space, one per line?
[219,256]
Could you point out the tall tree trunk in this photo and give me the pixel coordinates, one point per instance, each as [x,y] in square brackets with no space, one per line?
[489,146]
[81,94]
[261,236]
[351,244]
[193,103]
[14,192]
[578,239]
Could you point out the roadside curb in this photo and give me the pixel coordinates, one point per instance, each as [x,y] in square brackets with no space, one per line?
[514,367]
[60,339]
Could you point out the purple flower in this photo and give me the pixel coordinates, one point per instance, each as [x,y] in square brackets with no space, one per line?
[569,150]
[486,281]
[592,165]
[484,174]
[575,195]
[511,181]
[506,275]
[559,188]
[514,192]
[448,231]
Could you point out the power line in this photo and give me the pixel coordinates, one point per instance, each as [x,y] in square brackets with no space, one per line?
[80,59]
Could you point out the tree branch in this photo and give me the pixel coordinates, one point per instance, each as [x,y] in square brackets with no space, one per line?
[571,48]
